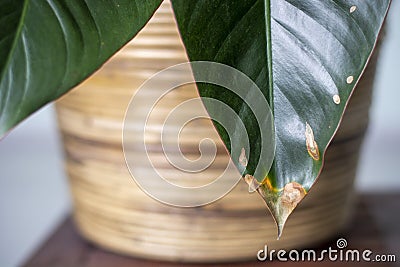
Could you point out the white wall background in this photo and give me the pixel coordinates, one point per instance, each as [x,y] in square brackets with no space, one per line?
[34,193]
[378,167]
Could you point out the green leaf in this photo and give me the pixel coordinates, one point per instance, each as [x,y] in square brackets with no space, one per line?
[49,46]
[305,56]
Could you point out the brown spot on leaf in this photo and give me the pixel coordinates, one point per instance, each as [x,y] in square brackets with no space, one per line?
[312,146]
[350,79]
[252,182]
[292,194]
[242,158]
[336,99]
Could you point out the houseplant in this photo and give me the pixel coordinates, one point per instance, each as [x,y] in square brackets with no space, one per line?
[241,49]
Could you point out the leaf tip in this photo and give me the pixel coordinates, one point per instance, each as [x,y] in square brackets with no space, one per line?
[280,230]
[282,203]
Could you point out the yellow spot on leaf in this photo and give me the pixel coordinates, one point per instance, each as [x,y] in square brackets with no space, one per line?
[352,9]
[267,183]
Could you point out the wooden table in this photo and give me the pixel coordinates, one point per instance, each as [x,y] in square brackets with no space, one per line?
[375,226]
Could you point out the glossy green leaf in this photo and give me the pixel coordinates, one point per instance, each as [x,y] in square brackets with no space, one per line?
[49,46]
[305,56]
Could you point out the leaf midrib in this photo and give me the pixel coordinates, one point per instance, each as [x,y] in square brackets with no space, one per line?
[267,8]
